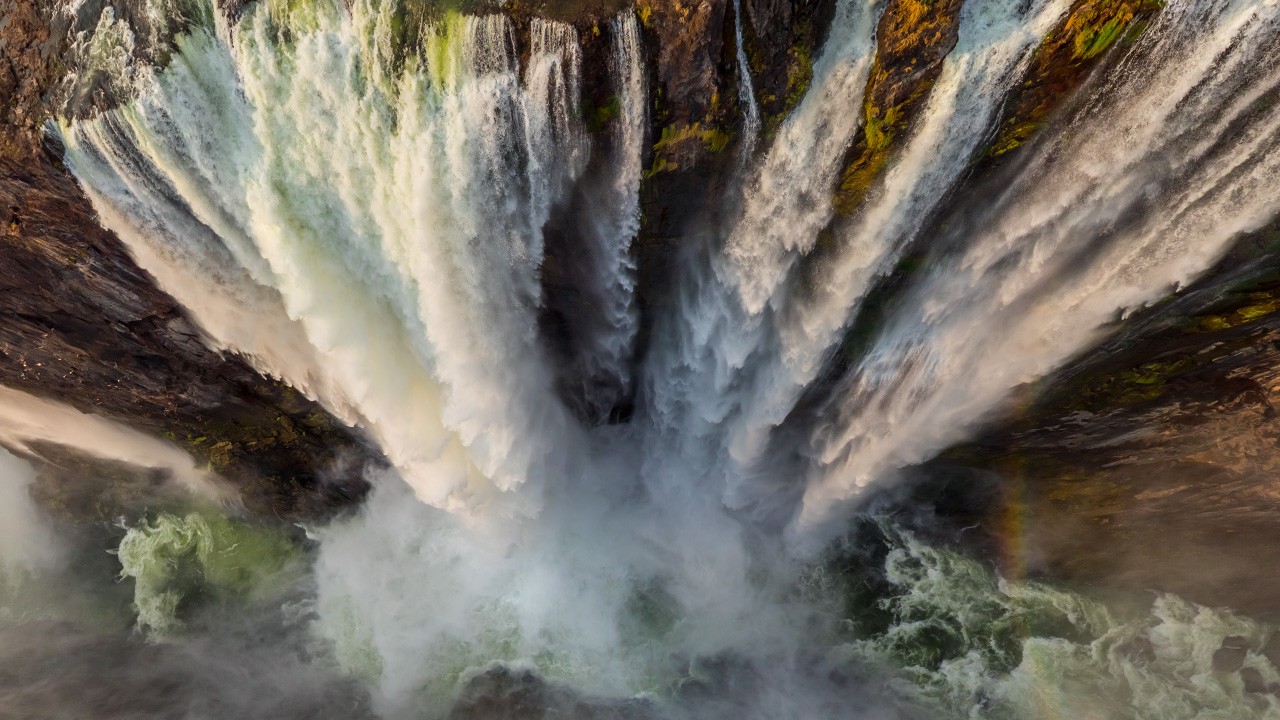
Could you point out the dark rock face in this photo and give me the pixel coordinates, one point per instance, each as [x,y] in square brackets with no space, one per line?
[693,64]
[783,38]
[85,326]
[26,72]
[695,122]
[78,490]
[574,309]
[45,74]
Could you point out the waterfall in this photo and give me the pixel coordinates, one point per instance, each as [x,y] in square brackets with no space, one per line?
[701,357]
[367,203]
[611,207]
[994,44]
[27,544]
[1150,172]
[381,225]
[746,93]
[628,75]
[367,223]
[27,421]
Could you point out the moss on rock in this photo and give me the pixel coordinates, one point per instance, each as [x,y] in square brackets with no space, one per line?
[912,41]
[1063,62]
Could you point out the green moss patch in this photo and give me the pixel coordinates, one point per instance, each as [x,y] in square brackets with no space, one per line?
[682,139]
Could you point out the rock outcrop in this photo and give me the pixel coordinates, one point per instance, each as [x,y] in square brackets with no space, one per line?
[782,39]
[912,41]
[506,693]
[28,69]
[695,125]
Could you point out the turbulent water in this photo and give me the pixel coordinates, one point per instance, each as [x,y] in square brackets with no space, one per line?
[359,204]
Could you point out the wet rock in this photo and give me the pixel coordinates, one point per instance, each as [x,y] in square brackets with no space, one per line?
[1064,61]
[693,122]
[1253,681]
[913,39]
[1271,649]
[782,39]
[1230,656]
[77,489]
[26,72]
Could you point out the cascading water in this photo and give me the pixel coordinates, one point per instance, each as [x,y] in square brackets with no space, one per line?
[1147,175]
[699,360]
[414,282]
[746,93]
[362,201]
[603,369]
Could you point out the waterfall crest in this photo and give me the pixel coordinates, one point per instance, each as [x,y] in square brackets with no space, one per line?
[375,238]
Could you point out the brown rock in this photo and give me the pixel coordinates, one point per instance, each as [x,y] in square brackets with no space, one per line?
[1230,656]
[28,67]
[1253,682]
[1064,61]
[1271,649]
[783,38]
[912,41]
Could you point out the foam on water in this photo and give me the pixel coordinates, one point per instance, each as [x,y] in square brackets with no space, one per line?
[976,645]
